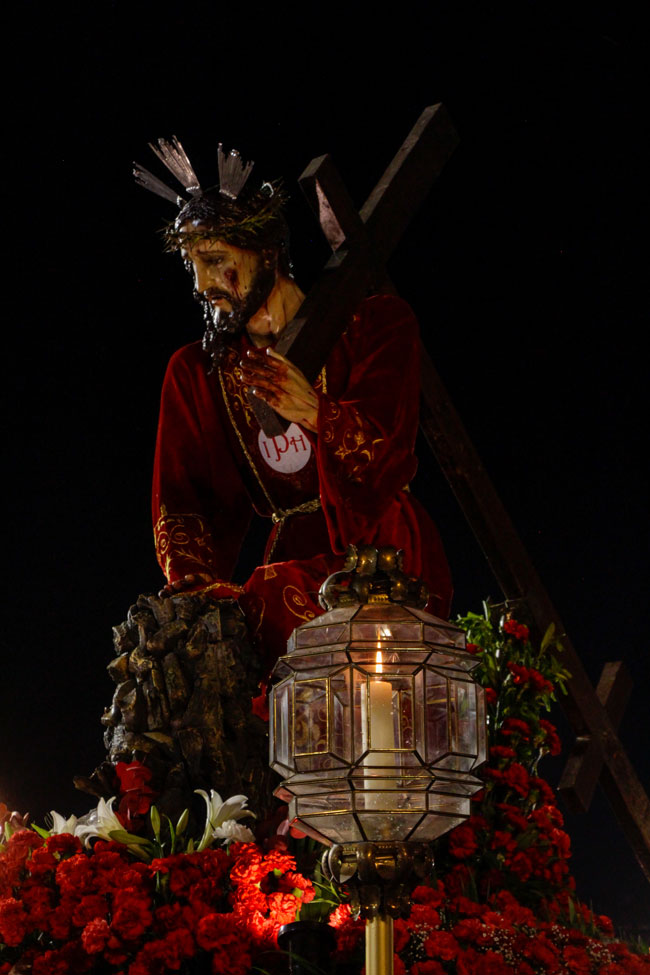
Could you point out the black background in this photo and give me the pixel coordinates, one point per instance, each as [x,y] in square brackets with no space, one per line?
[522,267]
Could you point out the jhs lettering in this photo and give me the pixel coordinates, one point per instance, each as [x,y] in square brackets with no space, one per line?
[280,445]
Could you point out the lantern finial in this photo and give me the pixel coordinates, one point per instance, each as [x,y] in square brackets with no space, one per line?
[372,575]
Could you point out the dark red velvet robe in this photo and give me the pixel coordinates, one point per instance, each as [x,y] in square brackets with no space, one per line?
[360,464]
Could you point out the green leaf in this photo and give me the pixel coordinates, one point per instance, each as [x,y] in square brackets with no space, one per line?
[183,820]
[154,815]
[45,833]
[121,836]
[547,639]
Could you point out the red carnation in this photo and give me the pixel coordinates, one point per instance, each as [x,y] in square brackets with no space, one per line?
[544,789]
[539,682]
[429,967]
[462,842]
[576,960]
[90,907]
[552,741]
[442,945]
[341,914]
[502,752]
[76,875]
[470,929]
[513,816]
[283,907]
[63,844]
[131,914]
[95,935]
[13,921]
[516,777]
[515,726]
[518,630]
[520,865]
[215,930]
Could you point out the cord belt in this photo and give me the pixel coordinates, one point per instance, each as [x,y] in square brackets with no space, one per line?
[280,516]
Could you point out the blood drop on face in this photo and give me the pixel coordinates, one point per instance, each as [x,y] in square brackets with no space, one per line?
[232,277]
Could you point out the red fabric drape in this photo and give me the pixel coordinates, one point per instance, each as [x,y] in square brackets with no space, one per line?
[362,459]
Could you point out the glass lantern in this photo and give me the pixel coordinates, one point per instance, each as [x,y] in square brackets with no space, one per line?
[376,725]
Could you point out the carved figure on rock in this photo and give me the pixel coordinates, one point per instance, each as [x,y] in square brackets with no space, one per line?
[340,473]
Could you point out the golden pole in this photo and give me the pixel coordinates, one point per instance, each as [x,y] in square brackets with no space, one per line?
[379,946]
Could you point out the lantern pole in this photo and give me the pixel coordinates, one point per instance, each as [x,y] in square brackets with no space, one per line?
[379,945]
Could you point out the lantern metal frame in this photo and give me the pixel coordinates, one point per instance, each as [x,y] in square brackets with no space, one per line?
[341,787]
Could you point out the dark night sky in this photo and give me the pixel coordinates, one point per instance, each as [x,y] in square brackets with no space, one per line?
[520,267]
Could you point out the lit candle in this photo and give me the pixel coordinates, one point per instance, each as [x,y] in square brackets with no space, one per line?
[379,724]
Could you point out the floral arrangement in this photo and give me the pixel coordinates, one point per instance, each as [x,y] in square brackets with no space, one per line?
[118,907]
[95,896]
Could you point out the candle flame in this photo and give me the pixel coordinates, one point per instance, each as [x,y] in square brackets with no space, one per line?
[378,661]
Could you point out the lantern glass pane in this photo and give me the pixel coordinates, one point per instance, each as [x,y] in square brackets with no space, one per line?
[436,717]
[320,636]
[433,826]
[321,804]
[381,631]
[450,805]
[282,718]
[460,785]
[359,694]
[342,728]
[481,727]
[386,613]
[318,662]
[311,717]
[388,826]
[462,700]
[391,801]
[319,762]
[396,660]
[333,829]
[403,693]
[445,636]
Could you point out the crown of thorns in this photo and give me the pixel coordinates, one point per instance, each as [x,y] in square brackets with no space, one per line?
[231,211]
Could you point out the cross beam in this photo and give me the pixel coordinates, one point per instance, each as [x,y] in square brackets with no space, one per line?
[369,238]
[518,579]
[585,762]
[361,244]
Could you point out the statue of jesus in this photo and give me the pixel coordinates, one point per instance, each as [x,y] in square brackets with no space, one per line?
[339,475]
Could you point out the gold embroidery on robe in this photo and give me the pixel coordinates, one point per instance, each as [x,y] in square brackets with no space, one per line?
[185,537]
[234,385]
[295,601]
[355,447]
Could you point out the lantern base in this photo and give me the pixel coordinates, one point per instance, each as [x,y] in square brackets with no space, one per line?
[380,876]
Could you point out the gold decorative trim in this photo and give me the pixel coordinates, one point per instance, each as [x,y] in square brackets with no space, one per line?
[278,515]
[186,537]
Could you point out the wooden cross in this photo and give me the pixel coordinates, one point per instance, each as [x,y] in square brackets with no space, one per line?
[361,244]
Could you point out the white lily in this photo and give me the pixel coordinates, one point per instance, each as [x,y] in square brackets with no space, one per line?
[219,813]
[62,825]
[98,822]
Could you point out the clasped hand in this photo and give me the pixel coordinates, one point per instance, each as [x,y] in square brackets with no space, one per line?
[280,384]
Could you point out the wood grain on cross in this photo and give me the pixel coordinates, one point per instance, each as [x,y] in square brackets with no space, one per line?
[361,244]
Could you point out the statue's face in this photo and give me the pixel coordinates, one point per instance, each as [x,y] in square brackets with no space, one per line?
[224,275]
[232,283]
